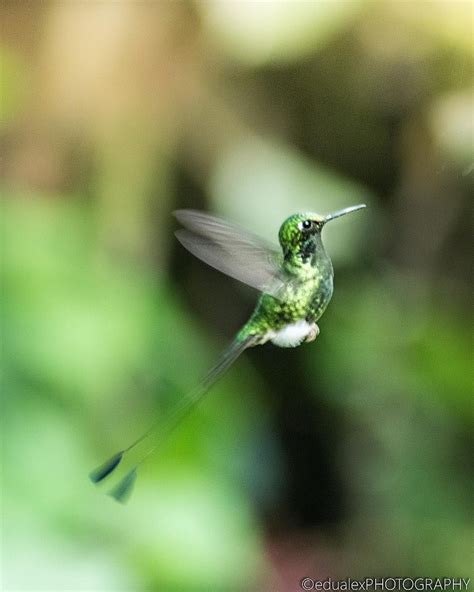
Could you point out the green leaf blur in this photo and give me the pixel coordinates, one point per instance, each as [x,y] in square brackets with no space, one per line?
[346,457]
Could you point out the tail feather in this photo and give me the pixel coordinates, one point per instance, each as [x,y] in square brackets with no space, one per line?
[227,358]
[182,409]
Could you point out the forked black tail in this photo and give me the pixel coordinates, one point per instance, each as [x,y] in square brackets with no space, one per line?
[123,489]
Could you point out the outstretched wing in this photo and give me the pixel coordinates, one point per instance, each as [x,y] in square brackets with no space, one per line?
[232,250]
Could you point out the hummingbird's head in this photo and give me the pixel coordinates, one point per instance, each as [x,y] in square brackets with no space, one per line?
[300,234]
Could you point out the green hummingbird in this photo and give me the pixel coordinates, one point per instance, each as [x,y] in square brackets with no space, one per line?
[296,282]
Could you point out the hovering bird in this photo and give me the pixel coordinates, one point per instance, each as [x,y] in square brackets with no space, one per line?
[296,282]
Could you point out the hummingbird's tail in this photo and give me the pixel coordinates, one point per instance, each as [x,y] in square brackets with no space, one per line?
[122,491]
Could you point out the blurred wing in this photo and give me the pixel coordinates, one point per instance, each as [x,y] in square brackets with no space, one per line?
[232,250]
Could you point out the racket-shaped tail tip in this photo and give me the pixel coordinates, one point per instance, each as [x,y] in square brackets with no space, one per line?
[100,473]
[122,491]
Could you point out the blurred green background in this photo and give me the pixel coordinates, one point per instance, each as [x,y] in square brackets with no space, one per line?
[346,457]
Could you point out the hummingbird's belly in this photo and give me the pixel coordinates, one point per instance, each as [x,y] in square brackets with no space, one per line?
[291,320]
[291,335]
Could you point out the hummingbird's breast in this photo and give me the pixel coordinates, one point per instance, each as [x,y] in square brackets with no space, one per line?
[320,297]
[300,303]
[313,297]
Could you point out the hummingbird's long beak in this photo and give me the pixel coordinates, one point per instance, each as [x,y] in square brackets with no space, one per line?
[343,212]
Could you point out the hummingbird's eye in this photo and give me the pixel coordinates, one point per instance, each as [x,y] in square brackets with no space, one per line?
[306,224]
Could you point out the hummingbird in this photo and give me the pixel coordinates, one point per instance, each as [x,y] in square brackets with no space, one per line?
[296,285]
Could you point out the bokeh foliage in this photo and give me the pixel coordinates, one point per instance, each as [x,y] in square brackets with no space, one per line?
[346,457]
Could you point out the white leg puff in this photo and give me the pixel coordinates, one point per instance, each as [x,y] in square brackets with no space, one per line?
[314,332]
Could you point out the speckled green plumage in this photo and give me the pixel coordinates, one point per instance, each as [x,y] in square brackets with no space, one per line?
[307,302]
[309,285]
[296,285]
